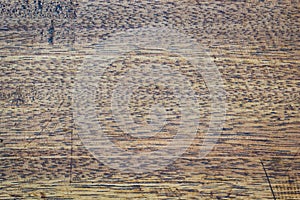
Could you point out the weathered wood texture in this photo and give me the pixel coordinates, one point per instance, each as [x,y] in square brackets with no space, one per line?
[255,46]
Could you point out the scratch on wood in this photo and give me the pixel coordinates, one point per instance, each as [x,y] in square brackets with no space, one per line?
[268,179]
[286,171]
[44,128]
[71,160]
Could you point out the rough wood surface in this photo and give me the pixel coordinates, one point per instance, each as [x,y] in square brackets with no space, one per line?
[255,46]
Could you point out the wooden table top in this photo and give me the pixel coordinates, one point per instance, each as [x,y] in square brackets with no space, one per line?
[254,47]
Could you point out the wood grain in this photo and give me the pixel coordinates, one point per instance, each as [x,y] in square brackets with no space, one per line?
[255,46]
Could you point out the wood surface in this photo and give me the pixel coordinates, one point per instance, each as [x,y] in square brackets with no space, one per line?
[255,46]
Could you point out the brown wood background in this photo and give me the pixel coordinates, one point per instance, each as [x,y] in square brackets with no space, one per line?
[255,46]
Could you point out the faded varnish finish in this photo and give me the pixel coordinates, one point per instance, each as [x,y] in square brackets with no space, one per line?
[255,46]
